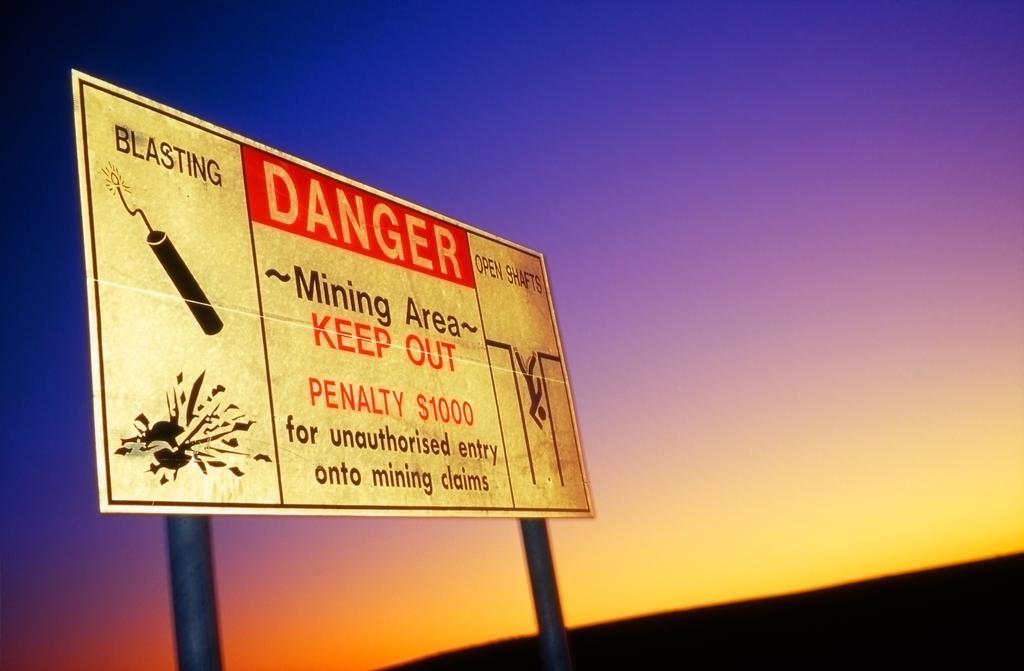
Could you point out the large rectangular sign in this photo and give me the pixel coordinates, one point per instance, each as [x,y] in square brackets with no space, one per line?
[270,337]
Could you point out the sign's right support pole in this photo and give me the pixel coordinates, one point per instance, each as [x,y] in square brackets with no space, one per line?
[195,605]
[554,644]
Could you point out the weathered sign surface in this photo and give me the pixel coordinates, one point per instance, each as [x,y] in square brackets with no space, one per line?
[269,337]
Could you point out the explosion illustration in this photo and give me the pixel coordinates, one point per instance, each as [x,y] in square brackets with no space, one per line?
[198,430]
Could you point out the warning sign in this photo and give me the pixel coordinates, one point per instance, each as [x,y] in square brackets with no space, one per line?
[269,337]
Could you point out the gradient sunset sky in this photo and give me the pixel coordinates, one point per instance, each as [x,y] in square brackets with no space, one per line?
[786,245]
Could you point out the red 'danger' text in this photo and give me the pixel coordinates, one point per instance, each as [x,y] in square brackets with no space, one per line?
[295,199]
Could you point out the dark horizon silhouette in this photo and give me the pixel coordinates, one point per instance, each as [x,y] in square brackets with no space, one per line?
[958,616]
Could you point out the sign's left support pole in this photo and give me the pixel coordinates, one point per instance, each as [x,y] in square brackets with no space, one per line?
[195,604]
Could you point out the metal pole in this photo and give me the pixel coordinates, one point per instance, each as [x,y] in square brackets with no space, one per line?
[195,604]
[554,645]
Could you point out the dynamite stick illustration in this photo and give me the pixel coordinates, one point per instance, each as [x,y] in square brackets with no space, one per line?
[164,250]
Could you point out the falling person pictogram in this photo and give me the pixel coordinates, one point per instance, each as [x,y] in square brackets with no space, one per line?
[534,386]
[165,251]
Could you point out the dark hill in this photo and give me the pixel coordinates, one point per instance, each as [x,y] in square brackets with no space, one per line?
[968,616]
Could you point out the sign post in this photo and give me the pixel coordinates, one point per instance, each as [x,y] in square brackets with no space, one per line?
[554,644]
[272,338]
[192,592]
